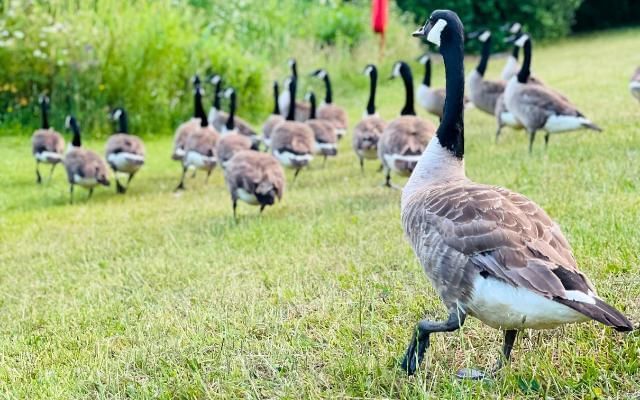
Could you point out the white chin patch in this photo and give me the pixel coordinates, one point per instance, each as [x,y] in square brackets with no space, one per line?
[367,71]
[117,114]
[322,74]
[484,36]
[522,40]
[424,59]
[436,32]
[515,28]
[215,79]
[396,69]
[227,93]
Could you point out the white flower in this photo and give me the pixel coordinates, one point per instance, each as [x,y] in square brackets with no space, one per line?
[60,63]
[5,33]
[38,54]
[65,52]
[43,43]
[18,34]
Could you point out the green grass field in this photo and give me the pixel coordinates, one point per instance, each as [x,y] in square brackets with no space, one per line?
[158,295]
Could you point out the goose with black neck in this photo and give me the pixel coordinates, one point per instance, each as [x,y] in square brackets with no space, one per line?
[124,152]
[429,98]
[405,138]
[274,119]
[367,132]
[484,93]
[489,252]
[217,118]
[326,141]
[186,128]
[539,107]
[328,110]
[235,124]
[284,100]
[47,145]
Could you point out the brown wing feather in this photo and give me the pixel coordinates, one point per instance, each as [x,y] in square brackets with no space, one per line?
[293,135]
[255,172]
[230,144]
[47,140]
[368,131]
[123,142]
[335,114]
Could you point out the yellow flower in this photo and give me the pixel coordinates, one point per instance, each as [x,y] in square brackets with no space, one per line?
[23,101]
[9,109]
[101,87]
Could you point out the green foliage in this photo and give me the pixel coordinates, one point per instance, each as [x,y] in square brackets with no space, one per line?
[599,14]
[544,19]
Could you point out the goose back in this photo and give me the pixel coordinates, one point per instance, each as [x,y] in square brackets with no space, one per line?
[254,177]
[230,144]
[407,135]
[47,146]
[366,135]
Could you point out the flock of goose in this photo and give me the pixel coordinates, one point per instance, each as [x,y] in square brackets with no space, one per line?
[491,253]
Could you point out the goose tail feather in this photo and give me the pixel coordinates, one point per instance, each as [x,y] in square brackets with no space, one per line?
[601,312]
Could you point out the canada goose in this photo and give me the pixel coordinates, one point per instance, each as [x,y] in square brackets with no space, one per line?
[292,142]
[489,252]
[404,138]
[511,67]
[47,145]
[634,84]
[284,100]
[84,167]
[124,152]
[236,124]
[217,117]
[200,145]
[368,131]
[484,93]
[538,107]
[274,119]
[188,127]
[430,99]
[328,110]
[326,141]
[230,144]
[255,178]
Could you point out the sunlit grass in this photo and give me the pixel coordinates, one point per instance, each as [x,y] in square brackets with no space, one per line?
[157,295]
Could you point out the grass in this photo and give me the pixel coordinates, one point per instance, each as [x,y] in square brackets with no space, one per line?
[157,295]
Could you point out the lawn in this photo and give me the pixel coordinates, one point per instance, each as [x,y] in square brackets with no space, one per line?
[159,295]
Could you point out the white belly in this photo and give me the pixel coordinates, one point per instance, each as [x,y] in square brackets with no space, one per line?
[199,161]
[48,157]
[510,69]
[86,183]
[266,141]
[289,160]
[390,160]
[561,123]
[319,147]
[503,306]
[213,114]
[634,87]
[126,162]
[247,197]
[428,99]
[509,119]
[284,100]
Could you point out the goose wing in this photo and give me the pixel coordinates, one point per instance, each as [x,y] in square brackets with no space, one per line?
[507,236]
[548,101]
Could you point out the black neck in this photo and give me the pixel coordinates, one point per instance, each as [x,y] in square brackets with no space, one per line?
[312,108]
[123,122]
[45,115]
[525,70]
[407,79]
[276,94]
[291,114]
[484,57]
[216,94]
[294,69]
[451,130]
[371,104]
[199,109]
[427,73]
[75,129]
[328,97]
[515,52]
[232,111]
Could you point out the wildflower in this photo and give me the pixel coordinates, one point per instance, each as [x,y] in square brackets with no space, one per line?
[43,43]
[5,33]
[23,101]
[9,109]
[60,63]
[18,34]
[101,87]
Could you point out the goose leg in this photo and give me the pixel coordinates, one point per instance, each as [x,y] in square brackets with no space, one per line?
[380,168]
[206,180]
[532,137]
[420,339]
[131,175]
[193,175]
[38,177]
[498,131]
[71,194]
[90,194]
[324,162]
[296,174]
[474,374]
[262,206]
[53,166]
[546,141]
[181,184]
[119,188]
[362,165]
[235,205]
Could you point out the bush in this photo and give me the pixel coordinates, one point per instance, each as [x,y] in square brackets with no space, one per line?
[544,19]
[599,14]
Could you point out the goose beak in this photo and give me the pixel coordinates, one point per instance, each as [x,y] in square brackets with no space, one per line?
[423,31]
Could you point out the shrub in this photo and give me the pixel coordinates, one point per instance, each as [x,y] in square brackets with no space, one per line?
[599,14]
[544,19]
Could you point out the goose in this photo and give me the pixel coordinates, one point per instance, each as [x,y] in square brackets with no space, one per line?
[230,144]
[484,93]
[328,110]
[124,152]
[511,67]
[430,99]
[188,127]
[634,84]
[292,142]
[323,131]
[47,145]
[255,178]
[538,107]
[200,145]
[217,117]
[284,100]
[489,252]
[235,124]
[84,167]
[368,131]
[274,119]
[404,138]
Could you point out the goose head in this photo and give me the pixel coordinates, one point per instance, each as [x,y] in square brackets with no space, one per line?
[43,100]
[423,59]
[117,113]
[320,73]
[441,24]
[369,70]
